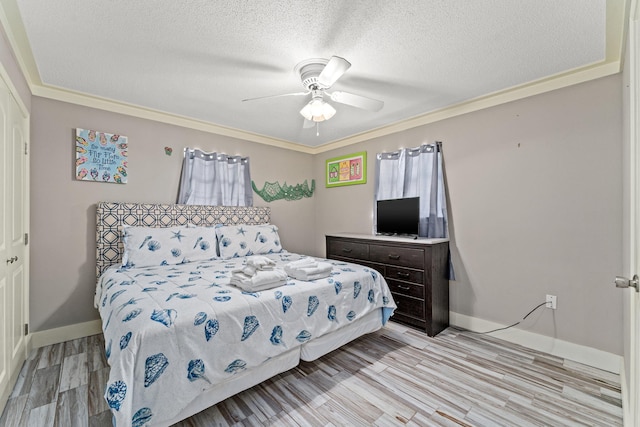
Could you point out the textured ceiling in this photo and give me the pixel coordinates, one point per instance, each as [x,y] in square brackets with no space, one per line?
[200,58]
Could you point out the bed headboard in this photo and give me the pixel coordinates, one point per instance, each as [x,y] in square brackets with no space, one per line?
[111,216]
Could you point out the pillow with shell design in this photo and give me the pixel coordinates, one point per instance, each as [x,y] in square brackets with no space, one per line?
[147,246]
[244,240]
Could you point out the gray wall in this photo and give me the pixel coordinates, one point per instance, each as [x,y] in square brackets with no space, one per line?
[535,190]
[62,246]
[535,195]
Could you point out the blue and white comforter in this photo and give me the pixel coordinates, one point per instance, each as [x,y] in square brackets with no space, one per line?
[172,332]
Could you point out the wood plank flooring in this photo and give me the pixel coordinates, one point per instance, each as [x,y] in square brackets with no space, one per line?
[395,377]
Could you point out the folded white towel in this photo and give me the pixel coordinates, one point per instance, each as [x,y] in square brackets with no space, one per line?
[247,269]
[306,262]
[311,277]
[261,263]
[263,279]
[323,269]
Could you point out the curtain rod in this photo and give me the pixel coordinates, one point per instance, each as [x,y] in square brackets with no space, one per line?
[391,154]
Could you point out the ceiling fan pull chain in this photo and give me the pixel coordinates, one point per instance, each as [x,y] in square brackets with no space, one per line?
[317,128]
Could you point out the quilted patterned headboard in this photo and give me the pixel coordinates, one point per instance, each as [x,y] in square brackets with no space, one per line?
[112,216]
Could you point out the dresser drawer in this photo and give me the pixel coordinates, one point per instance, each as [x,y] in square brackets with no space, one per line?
[405,274]
[405,288]
[346,249]
[409,306]
[394,255]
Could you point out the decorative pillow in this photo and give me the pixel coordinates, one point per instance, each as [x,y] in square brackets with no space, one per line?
[189,225]
[147,246]
[243,240]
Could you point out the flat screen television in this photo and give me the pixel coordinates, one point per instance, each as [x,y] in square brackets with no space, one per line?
[398,216]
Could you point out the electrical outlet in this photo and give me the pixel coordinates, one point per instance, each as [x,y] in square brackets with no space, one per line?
[552,302]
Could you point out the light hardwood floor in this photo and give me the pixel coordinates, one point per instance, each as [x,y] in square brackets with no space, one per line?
[394,377]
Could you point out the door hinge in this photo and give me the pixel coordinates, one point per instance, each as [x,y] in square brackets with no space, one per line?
[26,329]
[26,239]
[26,148]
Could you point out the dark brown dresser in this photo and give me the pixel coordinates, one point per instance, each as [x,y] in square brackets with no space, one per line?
[416,271]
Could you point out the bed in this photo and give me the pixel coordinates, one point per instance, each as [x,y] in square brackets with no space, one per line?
[180,338]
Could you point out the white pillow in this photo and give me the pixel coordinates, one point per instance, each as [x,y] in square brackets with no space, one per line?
[243,240]
[148,246]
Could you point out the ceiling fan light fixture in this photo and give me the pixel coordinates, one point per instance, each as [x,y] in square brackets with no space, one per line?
[317,75]
[317,110]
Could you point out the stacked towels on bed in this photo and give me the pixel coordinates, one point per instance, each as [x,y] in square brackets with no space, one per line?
[308,268]
[258,274]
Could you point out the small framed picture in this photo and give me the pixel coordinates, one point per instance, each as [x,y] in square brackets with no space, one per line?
[347,170]
[101,156]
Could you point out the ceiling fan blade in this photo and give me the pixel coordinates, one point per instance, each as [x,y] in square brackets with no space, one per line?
[277,96]
[331,72]
[358,101]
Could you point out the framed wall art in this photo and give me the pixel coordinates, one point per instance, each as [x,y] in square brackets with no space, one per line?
[347,170]
[101,156]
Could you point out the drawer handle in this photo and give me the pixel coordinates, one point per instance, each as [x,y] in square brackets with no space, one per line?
[404,288]
[393,256]
[346,251]
[403,274]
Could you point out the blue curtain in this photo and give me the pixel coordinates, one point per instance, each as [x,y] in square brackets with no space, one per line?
[413,172]
[215,179]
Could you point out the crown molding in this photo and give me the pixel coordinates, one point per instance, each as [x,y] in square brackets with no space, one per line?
[616,29]
[538,87]
[11,21]
[120,107]
[617,12]
[515,93]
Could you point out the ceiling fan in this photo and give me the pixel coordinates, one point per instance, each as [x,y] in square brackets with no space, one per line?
[317,75]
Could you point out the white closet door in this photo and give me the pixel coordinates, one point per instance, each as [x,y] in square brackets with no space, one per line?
[5,317]
[17,227]
[13,201]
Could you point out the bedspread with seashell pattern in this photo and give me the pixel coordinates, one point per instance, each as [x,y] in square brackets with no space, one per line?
[172,332]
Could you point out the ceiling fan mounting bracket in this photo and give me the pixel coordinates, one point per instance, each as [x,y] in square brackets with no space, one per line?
[309,70]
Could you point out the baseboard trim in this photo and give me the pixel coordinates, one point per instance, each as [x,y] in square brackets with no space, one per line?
[576,352]
[65,333]
[567,350]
